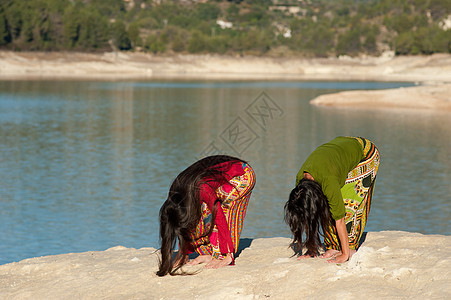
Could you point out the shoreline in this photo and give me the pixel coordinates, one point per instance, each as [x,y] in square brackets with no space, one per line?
[139,66]
[388,264]
[431,73]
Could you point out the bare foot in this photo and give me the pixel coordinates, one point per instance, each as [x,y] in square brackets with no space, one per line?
[200,260]
[330,253]
[219,263]
[351,252]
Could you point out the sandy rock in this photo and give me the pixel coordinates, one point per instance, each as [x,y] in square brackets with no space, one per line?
[421,97]
[388,265]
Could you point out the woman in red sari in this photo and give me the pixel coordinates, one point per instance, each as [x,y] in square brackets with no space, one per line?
[204,211]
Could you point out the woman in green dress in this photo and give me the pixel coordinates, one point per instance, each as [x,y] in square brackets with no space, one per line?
[334,188]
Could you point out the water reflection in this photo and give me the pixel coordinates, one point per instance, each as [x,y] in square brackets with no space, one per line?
[86,165]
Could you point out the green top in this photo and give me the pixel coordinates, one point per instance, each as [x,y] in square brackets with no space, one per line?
[329,165]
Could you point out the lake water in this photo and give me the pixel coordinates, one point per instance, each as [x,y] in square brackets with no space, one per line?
[87,165]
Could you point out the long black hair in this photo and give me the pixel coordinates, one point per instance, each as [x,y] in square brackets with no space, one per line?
[306,211]
[181,212]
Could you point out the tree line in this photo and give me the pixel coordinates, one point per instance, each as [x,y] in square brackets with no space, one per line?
[316,28]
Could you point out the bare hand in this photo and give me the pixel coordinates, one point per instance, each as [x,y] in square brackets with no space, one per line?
[330,253]
[200,260]
[219,263]
[339,259]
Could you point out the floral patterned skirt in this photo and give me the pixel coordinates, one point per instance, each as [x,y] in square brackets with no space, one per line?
[234,205]
[357,195]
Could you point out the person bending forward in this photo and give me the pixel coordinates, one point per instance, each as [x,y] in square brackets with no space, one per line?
[204,211]
[333,191]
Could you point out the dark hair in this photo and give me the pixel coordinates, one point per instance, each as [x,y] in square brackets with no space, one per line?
[181,212]
[305,212]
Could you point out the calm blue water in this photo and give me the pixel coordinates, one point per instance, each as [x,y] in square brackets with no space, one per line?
[86,165]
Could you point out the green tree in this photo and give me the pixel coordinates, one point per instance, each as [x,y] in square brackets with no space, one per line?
[370,45]
[27,31]
[315,40]
[183,21]
[441,41]
[174,37]
[40,24]
[404,43]
[197,43]
[133,33]
[71,26]
[256,41]
[402,23]
[44,31]
[232,12]
[370,34]
[349,43]
[432,39]
[154,44]
[4,33]
[94,31]
[109,8]
[120,36]
[148,23]
[344,10]
[256,17]
[14,17]
[178,44]
[218,44]
[343,26]
[207,11]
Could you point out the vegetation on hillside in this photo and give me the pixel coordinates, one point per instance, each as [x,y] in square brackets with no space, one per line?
[264,27]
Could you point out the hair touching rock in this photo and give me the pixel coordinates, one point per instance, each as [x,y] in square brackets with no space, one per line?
[305,212]
[181,211]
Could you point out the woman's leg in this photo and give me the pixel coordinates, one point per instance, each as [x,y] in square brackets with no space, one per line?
[235,201]
[202,245]
[357,195]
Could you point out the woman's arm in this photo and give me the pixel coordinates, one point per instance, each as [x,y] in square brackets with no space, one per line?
[220,238]
[344,242]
